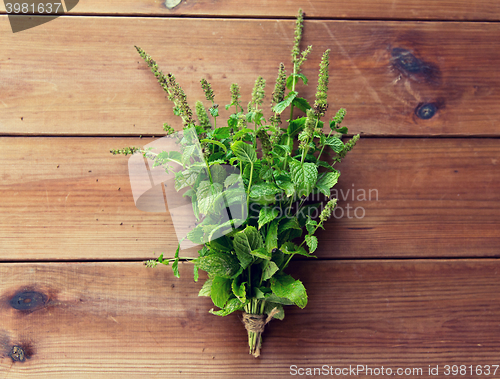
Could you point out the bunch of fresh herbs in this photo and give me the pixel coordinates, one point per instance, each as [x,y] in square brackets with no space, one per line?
[279,164]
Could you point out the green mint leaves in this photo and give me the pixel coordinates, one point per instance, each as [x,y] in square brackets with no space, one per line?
[304,176]
[250,179]
[287,287]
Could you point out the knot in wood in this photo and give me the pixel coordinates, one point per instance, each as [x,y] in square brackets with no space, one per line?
[17,354]
[28,301]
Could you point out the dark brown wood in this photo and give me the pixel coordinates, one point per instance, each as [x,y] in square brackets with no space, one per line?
[364,9]
[107,319]
[83,76]
[69,198]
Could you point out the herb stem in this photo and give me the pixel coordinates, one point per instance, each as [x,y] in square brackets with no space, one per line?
[323,147]
[291,110]
[306,149]
[249,185]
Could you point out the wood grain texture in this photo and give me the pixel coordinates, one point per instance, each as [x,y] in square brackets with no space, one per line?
[68,198]
[96,321]
[83,76]
[364,9]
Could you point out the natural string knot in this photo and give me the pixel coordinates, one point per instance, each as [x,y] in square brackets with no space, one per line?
[256,323]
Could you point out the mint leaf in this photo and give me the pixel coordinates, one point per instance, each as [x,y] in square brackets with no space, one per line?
[272,236]
[231,306]
[206,195]
[206,289]
[239,290]
[304,176]
[245,242]
[214,112]
[224,265]
[264,193]
[222,243]
[335,143]
[187,154]
[270,268]
[221,133]
[281,106]
[312,243]
[253,237]
[220,291]
[325,165]
[196,273]
[267,214]
[289,288]
[279,300]
[269,307]
[175,264]
[296,126]
[301,103]
[187,177]
[218,143]
[288,187]
[290,223]
[327,181]
[244,152]
[291,248]
[266,173]
[231,180]
[218,173]
[278,257]
[245,258]
[197,235]
[223,228]
[311,225]
[293,79]
[262,253]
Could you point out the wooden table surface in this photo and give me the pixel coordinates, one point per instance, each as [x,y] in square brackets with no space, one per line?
[408,280]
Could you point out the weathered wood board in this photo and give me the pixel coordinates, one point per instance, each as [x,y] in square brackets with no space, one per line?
[69,198]
[358,9]
[407,275]
[91,319]
[82,75]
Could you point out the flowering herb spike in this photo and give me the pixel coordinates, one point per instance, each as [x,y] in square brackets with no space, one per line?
[321,104]
[280,87]
[207,88]
[258,94]
[201,114]
[299,25]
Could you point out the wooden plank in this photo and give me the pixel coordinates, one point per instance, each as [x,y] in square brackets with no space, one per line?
[83,76]
[68,198]
[433,198]
[93,320]
[356,9]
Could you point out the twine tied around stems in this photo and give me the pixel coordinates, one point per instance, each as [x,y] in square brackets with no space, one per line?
[255,323]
